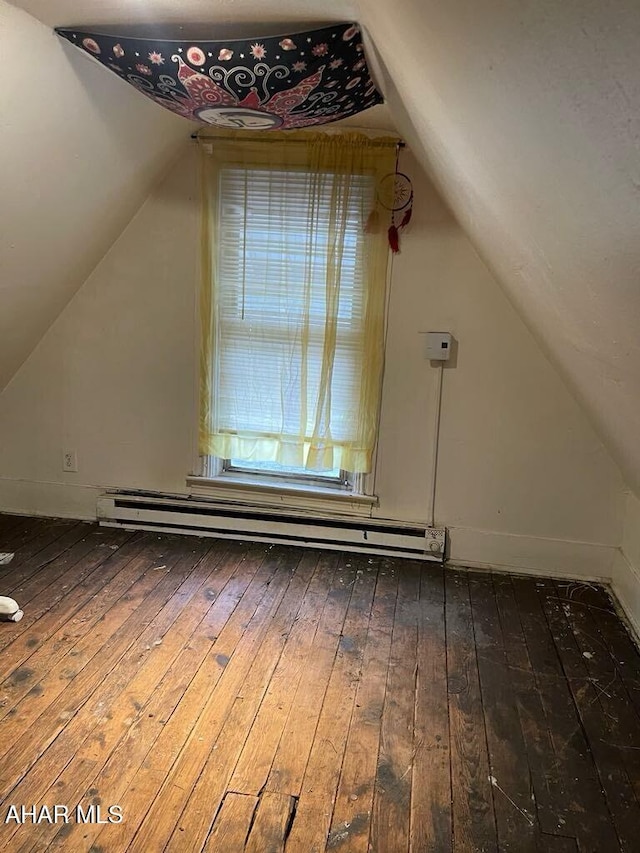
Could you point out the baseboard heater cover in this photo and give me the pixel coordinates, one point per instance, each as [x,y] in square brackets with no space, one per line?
[198,517]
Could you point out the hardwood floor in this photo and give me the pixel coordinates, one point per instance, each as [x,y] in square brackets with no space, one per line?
[185,694]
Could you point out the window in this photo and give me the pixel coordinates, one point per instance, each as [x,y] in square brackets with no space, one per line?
[293,305]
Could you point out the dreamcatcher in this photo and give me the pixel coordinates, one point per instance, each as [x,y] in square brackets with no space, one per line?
[395,193]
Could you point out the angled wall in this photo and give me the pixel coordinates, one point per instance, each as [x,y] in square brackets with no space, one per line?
[523,479]
[79,152]
[528,116]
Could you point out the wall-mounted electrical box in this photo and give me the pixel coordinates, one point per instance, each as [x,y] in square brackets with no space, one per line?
[437,346]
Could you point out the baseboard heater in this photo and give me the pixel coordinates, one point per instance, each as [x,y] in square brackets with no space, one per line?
[200,517]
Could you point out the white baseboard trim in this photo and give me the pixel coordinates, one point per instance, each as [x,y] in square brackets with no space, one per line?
[55,500]
[535,555]
[469,547]
[625,585]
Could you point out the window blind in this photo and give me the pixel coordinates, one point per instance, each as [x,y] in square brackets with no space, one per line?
[274,242]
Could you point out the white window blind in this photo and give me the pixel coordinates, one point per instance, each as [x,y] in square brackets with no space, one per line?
[274,242]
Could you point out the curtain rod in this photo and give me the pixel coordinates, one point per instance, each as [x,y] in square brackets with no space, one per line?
[195,136]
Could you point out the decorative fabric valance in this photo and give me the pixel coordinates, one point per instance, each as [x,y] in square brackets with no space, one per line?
[292,81]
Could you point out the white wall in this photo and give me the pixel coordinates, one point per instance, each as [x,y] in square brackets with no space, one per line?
[528,114]
[517,456]
[626,570]
[112,378]
[523,479]
[79,150]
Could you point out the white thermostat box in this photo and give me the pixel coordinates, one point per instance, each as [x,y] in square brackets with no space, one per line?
[438,346]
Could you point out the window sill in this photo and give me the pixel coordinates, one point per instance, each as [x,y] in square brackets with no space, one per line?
[257,491]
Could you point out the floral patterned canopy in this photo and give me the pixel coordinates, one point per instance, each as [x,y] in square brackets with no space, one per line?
[298,80]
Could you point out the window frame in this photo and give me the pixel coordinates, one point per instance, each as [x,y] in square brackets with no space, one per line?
[210,481]
[215,469]
[353,495]
[349,482]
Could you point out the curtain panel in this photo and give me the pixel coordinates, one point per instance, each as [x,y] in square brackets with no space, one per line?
[294,261]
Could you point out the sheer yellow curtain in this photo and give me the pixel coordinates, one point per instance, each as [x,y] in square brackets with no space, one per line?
[293,296]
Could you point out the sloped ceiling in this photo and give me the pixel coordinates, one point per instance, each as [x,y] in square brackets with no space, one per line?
[78,154]
[527,114]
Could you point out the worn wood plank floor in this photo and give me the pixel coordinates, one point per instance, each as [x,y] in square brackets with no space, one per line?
[183,694]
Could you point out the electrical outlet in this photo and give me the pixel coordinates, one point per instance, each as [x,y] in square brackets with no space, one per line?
[70,461]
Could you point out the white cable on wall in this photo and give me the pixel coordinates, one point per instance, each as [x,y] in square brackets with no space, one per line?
[436,442]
